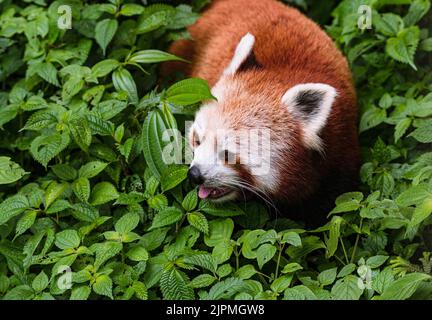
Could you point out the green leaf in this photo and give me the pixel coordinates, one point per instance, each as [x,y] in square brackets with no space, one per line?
[347,288]
[40,282]
[48,72]
[12,207]
[104,67]
[174,286]
[154,21]
[401,128]
[383,280]
[376,261]
[327,277]
[423,134]
[281,283]
[54,191]
[202,281]
[123,81]
[103,286]
[189,91]
[127,223]
[404,287]
[140,290]
[92,169]
[131,9]
[166,217]
[265,253]
[104,32]
[199,221]
[103,192]
[417,11]
[403,47]
[138,253]
[45,147]
[81,189]
[190,201]
[225,289]
[292,238]
[422,212]
[172,176]
[105,251]
[153,128]
[300,292]
[40,120]
[25,222]
[153,56]
[291,267]
[81,132]
[67,239]
[227,209]
[10,171]
[64,171]
[80,293]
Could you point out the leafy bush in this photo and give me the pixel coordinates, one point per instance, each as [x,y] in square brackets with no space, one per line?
[89,210]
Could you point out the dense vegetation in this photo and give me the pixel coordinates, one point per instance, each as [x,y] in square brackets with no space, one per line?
[88,209]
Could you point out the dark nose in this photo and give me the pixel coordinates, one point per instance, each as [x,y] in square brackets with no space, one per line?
[195,175]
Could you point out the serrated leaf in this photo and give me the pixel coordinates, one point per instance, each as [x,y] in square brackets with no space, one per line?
[67,239]
[347,288]
[81,189]
[174,286]
[12,207]
[25,222]
[40,120]
[202,281]
[45,147]
[166,217]
[103,192]
[199,221]
[403,47]
[190,201]
[10,171]
[138,253]
[103,286]
[80,293]
[127,223]
[81,132]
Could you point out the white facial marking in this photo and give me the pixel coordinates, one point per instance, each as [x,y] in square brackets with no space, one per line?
[316,120]
[244,48]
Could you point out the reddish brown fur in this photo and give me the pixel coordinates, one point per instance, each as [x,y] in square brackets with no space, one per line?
[292,49]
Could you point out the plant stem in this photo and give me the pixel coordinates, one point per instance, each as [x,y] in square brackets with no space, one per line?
[344,251]
[356,242]
[281,247]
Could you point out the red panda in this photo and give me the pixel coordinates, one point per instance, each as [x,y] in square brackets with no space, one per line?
[271,68]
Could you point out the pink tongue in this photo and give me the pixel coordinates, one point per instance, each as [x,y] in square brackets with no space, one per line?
[204,192]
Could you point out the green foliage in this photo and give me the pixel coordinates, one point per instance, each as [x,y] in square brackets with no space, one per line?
[91,209]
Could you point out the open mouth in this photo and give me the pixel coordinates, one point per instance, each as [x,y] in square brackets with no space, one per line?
[205,192]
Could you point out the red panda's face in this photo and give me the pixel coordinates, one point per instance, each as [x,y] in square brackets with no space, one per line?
[254,139]
[231,142]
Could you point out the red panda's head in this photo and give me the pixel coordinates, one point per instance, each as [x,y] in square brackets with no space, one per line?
[257,137]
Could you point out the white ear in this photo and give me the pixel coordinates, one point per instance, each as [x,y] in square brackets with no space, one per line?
[242,52]
[311,103]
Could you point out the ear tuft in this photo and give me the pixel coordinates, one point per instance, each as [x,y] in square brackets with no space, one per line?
[311,103]
[244,57]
